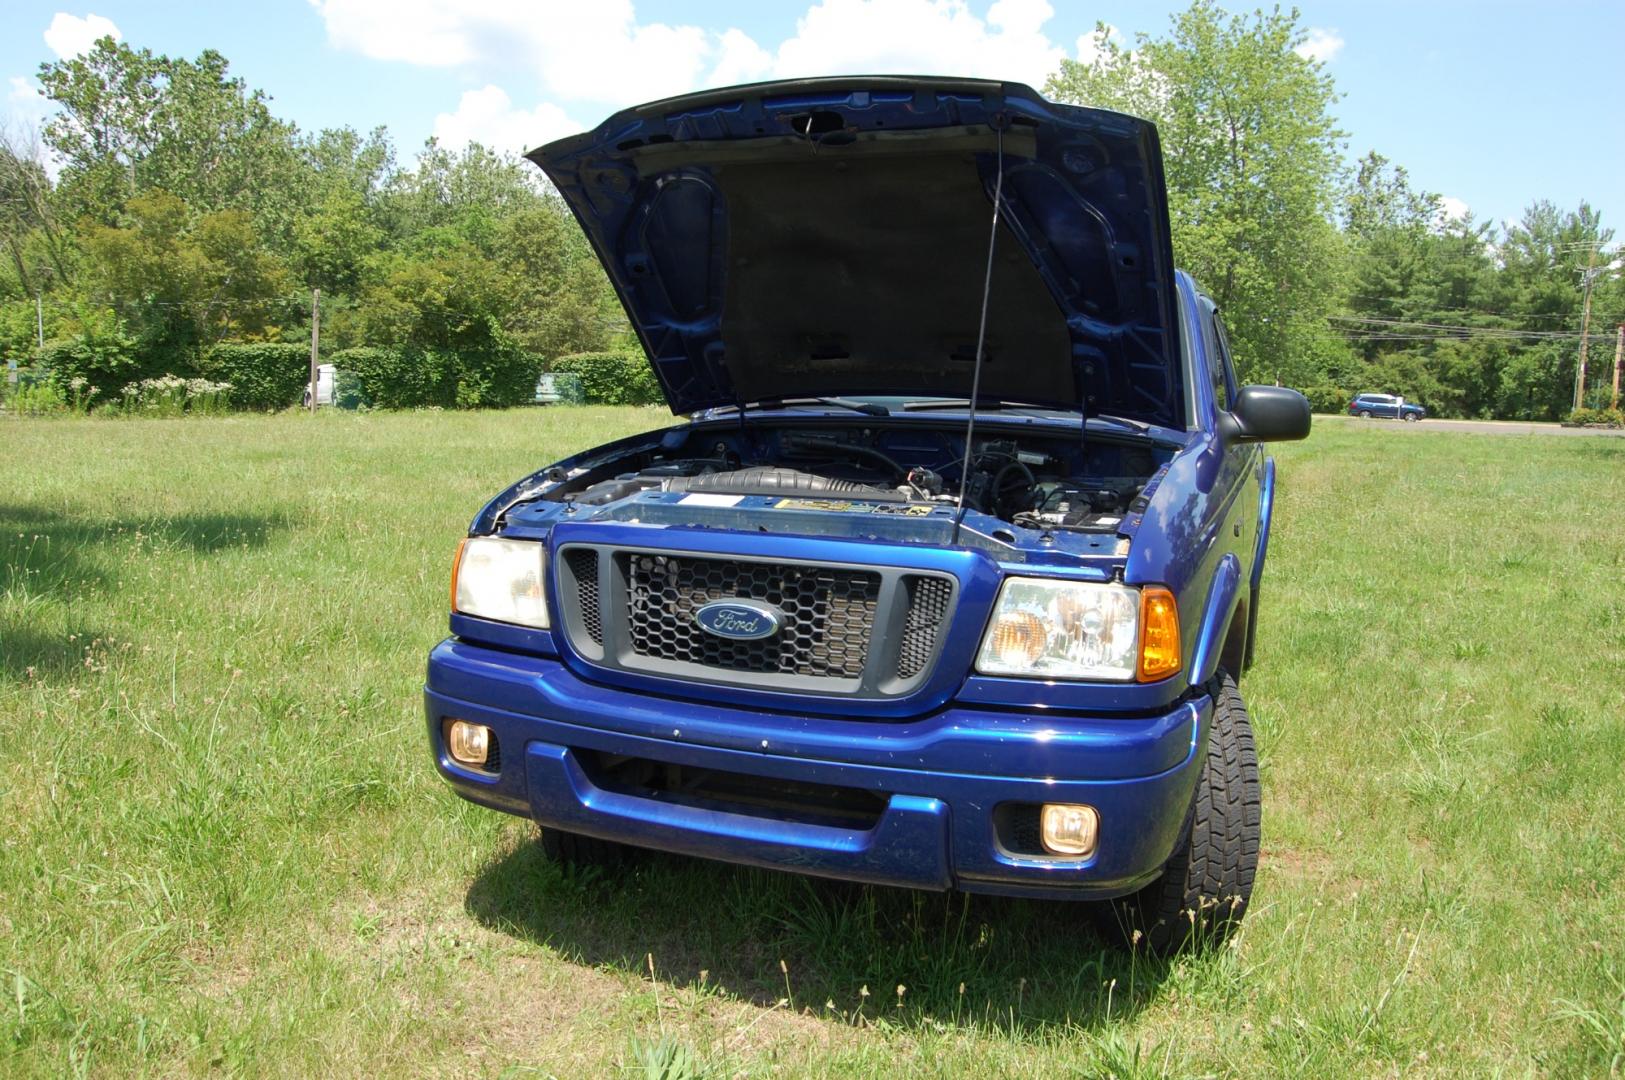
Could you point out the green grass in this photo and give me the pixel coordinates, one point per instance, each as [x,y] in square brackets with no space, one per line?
[224,850]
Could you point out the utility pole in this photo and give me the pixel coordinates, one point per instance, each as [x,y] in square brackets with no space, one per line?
[1585,329]
[316,338]
[39,318]
[1619,362]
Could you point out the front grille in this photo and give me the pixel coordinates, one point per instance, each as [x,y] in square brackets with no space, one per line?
[583,564]
[927,608]
[829,614]
[862,631]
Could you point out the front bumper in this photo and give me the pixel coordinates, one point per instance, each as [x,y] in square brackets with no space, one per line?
[941,777]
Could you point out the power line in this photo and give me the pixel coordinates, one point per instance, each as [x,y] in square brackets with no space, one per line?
[1372,325]
[1502,314]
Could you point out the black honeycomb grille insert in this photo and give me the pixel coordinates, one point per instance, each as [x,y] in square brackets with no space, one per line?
[928,599]
[583,563]
[1020,828]
[829,614]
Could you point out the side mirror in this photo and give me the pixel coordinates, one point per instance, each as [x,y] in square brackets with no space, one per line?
[1265,414]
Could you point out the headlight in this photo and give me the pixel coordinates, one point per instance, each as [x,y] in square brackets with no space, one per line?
[500,579]
[1080,630]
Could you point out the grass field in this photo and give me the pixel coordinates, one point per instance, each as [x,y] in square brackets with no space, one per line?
[223,849]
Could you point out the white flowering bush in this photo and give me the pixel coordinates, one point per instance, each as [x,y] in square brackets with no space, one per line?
[171,395]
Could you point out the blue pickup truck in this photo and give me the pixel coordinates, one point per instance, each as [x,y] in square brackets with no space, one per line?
[948,578]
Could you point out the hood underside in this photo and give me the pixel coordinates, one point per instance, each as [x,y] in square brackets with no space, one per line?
[829,237]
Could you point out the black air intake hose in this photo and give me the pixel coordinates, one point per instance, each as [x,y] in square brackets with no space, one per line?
[771,480]
[820,446]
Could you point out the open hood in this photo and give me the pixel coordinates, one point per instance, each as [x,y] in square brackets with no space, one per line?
[829,237]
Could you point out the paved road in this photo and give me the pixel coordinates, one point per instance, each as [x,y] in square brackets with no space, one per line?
[1478,427]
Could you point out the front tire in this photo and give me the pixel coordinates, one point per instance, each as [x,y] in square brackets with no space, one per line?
[1207,882]
[1411,418]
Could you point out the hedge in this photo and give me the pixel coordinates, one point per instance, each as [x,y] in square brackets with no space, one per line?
[1327,399]
[612,378]
[273,375]
[389,379]
[1604,417]
[263,375]
[394,378]
[95,368]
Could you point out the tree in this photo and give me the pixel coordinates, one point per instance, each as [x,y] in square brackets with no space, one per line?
[563,302]
[131,121]
[107,124]
[1251,151]
[32,237]
[179,285]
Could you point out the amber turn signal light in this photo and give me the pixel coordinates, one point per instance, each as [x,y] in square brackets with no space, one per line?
[1159,634]
[456,568]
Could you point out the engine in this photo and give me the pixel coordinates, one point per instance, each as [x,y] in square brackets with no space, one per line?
[1045,484]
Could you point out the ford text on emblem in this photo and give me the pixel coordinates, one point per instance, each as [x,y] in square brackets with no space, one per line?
[741,620]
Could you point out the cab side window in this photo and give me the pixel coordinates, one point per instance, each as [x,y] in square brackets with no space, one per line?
[1229,362]
[1220,370]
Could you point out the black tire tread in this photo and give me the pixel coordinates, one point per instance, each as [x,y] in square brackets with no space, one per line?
[1208,881]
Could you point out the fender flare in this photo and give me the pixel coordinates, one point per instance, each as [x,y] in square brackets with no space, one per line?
[1266,508]
[1218,612]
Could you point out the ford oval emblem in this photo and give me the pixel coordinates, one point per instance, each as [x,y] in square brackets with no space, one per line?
[739,620]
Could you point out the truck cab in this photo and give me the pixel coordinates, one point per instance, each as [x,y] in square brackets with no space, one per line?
[949,573]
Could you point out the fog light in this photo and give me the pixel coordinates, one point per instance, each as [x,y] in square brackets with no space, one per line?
[469,744]
[1069,829]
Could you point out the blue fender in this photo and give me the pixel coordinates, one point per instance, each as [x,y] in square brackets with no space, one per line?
[1216,615]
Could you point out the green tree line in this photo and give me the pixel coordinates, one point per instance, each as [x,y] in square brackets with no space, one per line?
[1338,280]
[186,219]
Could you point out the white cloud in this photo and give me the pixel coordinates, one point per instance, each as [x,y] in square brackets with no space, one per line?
[1092,46]
[741,60]
[921,37]
[598,51]
[1453,209]
[1321,44]
[488,116]
[580,50]
[69,36]
[25,105]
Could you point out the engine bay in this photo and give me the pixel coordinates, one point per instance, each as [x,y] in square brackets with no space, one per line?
[1038,484]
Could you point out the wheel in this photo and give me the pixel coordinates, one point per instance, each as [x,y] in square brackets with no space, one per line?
[1411,418]
[1205,887]
[1365,414]
[573,849]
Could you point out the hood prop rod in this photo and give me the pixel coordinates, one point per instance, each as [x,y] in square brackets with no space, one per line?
[999,122]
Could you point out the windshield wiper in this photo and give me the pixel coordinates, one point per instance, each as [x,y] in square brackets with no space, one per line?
[1122,421]
[867,408]
[991,404]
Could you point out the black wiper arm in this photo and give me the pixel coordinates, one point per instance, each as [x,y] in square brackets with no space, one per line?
[1122,421]
[964,403]
[867,408]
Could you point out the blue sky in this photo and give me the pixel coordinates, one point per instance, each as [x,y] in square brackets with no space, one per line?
[1491,104]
